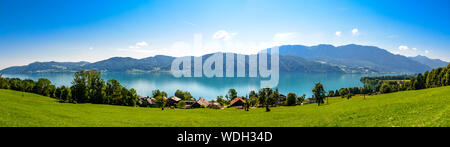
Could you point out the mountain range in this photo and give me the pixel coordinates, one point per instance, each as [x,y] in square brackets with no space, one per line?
[433,63]
[293,58]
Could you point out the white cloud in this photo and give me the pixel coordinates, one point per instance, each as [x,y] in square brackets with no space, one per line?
[355,31]
[403,47]
[222,35]
[190,23]
[426,51]
[338,33]
[414,49]
[139,45]
[91,48]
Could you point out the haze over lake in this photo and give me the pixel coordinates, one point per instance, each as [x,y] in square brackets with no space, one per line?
[210,88]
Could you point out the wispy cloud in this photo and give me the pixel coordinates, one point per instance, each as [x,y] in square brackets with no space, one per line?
[190,23]
[355,31]
[223,35]
[338,33]
[138,45]
[403,47]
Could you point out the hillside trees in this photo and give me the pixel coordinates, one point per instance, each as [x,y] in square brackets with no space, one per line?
[96,87]
[79,88]
[3,82]
[319,93]
[42,87]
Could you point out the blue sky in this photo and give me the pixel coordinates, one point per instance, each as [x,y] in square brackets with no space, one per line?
[82,30]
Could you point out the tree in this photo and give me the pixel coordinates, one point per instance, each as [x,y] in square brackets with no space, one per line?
[446,80]
[343,92]
[52,90]
[246,104]
[231,94]
[264,97]
[181,104]
[274,97]
[161,102]
[124,101]
[66,95]
[28,85]
[365,90]
[113,92]
[254,100]
[3,83]
[16,84]
[58,93]
[80,91]
[96,86]
[221,100]
[301,99]
[420,82]
[253,93]
[331,93]
[133,97]
[156,93]
[184,95]
[291,99]
[385,88]
[42,87]
[319,93]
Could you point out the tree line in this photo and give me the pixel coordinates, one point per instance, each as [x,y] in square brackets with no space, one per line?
[430,79]
[87,87]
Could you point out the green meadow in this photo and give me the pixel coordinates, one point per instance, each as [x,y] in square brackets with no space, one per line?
[418,108]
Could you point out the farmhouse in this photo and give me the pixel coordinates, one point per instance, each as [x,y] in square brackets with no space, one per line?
[173,101]
[151,102]
[238,101]
[200,102]
[190,102]
[215,105]
[281,100]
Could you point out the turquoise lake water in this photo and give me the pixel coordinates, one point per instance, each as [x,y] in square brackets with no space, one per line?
[210,88]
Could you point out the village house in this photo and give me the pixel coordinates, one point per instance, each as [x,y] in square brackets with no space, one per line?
[173,101]
[142,101]
[237,102]
[151,102]
[281,101]
[200,102]
[215,105]
[190,102]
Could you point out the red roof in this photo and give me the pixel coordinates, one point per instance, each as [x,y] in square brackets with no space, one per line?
[236,100]
[203,101]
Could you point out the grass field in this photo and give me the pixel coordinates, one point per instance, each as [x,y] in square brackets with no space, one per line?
[420,108]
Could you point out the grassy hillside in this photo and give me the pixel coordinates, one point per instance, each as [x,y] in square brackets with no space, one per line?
[420,108]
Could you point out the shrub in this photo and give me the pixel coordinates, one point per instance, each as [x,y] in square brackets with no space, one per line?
[291,99]
[181,104]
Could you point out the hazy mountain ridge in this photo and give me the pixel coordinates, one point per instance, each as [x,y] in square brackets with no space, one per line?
[293,58]
[356,56]
[432,63]
[162,64]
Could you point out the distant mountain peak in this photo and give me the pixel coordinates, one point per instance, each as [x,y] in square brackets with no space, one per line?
[432,63]
[350,58]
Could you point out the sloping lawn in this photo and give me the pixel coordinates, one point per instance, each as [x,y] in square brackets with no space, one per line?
[421,108]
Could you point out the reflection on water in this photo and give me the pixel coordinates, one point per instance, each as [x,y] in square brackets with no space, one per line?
[144,83]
